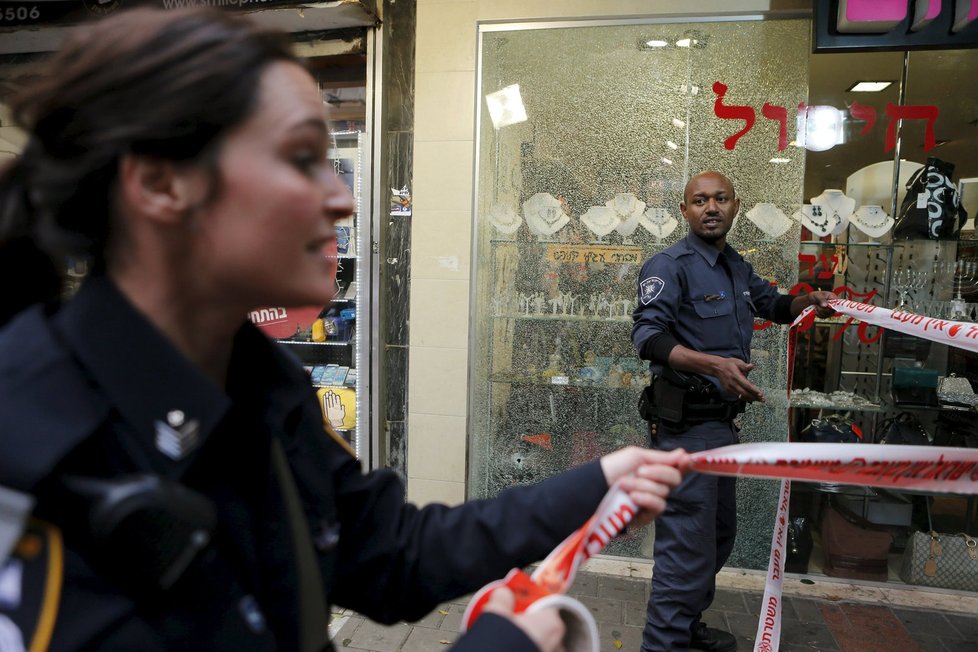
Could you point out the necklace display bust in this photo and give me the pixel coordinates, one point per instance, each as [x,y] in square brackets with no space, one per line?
[659,222]
[770,219]
[872,220]
[815,219]
[837,206]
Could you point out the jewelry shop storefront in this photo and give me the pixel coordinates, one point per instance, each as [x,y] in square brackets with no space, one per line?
[586,129]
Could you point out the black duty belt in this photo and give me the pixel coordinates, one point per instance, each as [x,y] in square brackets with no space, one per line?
[720,411]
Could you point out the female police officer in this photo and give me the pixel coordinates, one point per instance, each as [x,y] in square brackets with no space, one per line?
[181,454]
[696,305]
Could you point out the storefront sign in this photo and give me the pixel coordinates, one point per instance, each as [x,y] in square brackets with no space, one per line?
[852,25]
[578,253]
[811,121]
[23,13]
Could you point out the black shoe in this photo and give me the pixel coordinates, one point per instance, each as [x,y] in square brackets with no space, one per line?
[709,638]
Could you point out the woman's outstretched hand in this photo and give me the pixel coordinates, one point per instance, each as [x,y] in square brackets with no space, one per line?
[647,476]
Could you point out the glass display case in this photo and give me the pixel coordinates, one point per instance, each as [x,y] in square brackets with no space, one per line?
[333,342]
[586,136]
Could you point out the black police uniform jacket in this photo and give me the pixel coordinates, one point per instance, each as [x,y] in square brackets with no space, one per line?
[84,391]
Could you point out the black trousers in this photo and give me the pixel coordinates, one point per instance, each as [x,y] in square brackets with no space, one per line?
[693,539]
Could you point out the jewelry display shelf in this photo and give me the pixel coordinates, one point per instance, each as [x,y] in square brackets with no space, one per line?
[574,318]
[326,343]
[571,383]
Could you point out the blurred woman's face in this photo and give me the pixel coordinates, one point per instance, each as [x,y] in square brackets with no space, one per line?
[269,238]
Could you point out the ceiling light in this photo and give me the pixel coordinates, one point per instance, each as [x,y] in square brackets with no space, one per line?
[780,160]
[667,161]
[676,122]
[685,42]
[656,44]
[671,145]
[868,86]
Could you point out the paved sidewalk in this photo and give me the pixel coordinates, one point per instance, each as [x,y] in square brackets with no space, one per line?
[831,622]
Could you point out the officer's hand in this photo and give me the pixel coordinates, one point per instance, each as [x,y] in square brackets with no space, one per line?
[543,626]
[820,299]
[647,476]
[732,374]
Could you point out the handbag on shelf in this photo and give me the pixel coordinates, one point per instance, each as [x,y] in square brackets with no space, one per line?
[932,206]
[957,391]
[854,547]
[946,561]
[914,386]
[957,429]
[903,429]
[833,429]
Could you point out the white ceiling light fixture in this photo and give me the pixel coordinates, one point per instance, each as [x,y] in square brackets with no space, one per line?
[685,43]
[820,127]
[667,161]
[676,122]
[671,145]
[506,107]
[869,86]
[780,160]
[655,43]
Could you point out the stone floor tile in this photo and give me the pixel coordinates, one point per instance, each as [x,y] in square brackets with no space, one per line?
[630,638]
[635,612]
[867,628]
[604,610]
[926,623]
[967,626]
[621,588]
[348,628]
[728,600]
[453,621]
[585,584]
[424,639]
[379,638]
[434,619]
[802,609]
[931,644]
[807,636]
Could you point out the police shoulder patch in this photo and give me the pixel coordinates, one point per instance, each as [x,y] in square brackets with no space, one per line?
[650,288]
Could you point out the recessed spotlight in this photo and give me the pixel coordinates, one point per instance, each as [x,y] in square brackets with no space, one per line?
[676,122]
[667,161]
[671,145]
[868,86]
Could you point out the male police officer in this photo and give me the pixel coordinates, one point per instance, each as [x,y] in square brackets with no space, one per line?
[694,321]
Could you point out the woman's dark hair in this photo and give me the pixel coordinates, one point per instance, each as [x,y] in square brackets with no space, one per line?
[162,83]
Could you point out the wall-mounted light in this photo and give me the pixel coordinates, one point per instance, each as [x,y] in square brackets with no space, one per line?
[506,107]
[868,86]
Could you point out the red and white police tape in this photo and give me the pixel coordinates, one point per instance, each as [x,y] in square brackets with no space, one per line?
[921,468]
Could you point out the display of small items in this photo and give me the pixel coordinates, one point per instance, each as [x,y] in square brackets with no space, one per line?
[332,375]
[337,324]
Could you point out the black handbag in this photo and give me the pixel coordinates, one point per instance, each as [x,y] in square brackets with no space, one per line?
[903,429]
[833,429]
[932,206]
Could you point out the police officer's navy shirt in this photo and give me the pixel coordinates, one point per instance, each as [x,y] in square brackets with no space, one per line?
[81,392]
[704,299]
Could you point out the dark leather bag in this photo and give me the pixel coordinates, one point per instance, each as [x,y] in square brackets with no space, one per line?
[854,547]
